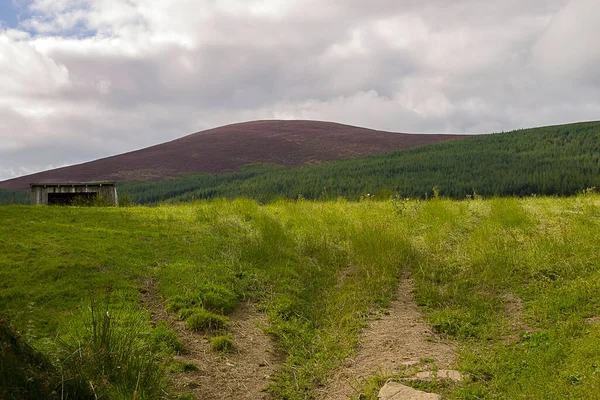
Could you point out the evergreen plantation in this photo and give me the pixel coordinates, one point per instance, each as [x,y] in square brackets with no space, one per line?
[554,160]
[13,197]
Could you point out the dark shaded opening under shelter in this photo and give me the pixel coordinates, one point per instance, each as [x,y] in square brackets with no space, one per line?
[68,199]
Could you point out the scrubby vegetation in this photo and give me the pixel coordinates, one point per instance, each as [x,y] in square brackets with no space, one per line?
[516,281]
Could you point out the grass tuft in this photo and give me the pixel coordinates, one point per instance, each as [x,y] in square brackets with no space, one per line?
[178,366]
[222,344]
[111,356]
[165,340]
[202,320]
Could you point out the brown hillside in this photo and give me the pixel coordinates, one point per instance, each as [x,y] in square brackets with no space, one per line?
[225,149]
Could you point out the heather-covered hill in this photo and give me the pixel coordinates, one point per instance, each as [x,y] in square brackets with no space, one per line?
[225,149]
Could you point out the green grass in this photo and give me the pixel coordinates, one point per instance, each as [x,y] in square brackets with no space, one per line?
[109,355]
[314,268]
[204,321]
[103,357]
[317,269]
[164,340]
[541,251]
[222,344]
[25,372]
[178,366]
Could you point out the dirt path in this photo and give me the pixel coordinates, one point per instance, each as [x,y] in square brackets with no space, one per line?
[390,344]
[240,375]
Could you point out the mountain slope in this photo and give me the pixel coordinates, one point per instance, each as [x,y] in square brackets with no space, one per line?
[553,160]
[225,149]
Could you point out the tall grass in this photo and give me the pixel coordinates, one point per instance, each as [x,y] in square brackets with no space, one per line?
[109,353]
[103,358]
[514,280]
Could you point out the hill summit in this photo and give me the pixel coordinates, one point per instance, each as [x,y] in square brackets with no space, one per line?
[288,143]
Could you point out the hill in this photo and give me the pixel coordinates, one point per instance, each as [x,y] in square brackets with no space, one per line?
[553,160]
[227,148]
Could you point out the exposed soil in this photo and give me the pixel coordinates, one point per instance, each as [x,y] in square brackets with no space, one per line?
[391,344]
[227,148]
[242,374]
[513,307]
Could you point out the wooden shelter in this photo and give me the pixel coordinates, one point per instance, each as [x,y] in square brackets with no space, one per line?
[74,193]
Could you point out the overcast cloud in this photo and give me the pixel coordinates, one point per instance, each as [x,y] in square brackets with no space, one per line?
[83,79]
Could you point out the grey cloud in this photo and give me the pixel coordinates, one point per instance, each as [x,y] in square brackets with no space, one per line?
[437,66]
[567,49]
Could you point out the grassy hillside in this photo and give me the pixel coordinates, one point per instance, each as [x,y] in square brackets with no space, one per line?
[516,282]
[557,160]
[288,257]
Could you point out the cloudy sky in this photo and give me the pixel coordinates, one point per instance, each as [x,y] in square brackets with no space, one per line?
[84,79]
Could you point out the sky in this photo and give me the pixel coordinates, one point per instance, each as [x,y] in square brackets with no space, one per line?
[85,79]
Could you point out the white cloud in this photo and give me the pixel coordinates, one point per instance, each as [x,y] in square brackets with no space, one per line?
[24,71]
[568,49]
[93,78]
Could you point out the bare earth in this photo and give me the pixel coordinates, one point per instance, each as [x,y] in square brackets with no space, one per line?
[242,374]
[390,344]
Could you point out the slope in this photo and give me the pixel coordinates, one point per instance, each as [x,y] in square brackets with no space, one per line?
[225,149]
[554,160]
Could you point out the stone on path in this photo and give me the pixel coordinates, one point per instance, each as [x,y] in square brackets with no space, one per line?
[442,374]
[396,391]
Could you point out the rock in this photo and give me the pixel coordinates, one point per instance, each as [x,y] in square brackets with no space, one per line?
[410,363]
[442,374]
[396,391]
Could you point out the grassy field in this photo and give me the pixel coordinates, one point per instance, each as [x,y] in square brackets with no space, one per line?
[515,282]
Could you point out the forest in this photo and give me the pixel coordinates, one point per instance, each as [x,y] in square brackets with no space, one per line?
[557,160]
